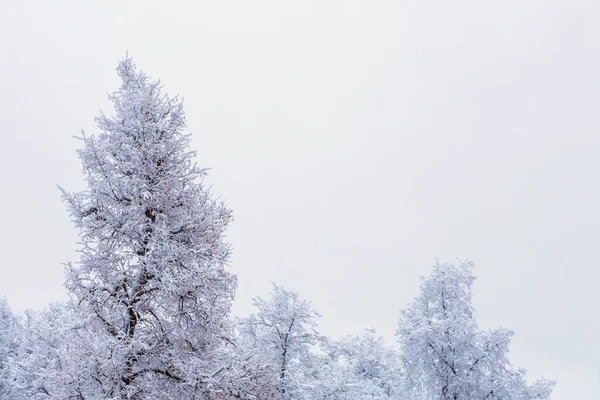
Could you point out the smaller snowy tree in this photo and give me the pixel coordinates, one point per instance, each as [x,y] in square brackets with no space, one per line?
[283,330]
[372,369]
[324,377]
[446,356]
[49,355]
[250,375]
[9,342]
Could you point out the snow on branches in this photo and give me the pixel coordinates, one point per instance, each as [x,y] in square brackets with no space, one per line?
[152,277]
[149,315]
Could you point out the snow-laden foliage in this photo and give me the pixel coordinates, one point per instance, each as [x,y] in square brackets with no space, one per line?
[9,342]
[324,377]
[50,355]
[446,356]
[150,299]
[250,376]
[282,331]
[371,368]
[151,281]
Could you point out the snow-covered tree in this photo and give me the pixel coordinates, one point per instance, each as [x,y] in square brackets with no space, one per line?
[446,356]
[324,377]
[152,281]
[372,369]
[9,342]
[282,331]
[251,375]
[49,355]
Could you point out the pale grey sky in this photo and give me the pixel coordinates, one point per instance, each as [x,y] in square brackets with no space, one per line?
[355,141]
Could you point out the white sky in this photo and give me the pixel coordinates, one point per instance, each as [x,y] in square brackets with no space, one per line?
[355,142]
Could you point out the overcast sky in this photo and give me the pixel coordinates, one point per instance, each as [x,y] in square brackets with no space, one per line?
[354,141]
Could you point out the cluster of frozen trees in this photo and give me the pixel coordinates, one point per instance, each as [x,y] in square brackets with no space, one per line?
[149,315]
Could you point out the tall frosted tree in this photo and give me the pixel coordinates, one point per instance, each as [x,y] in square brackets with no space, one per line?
[152,281]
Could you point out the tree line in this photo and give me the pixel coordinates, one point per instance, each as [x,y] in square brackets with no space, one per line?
[150,298]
